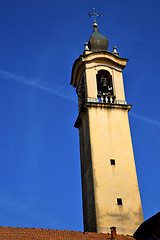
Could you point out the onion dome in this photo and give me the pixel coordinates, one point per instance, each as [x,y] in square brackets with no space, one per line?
[97,40]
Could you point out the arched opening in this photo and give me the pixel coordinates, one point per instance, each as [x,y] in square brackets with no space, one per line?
[105,87]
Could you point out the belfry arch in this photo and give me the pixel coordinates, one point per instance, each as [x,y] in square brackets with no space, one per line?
[104,86]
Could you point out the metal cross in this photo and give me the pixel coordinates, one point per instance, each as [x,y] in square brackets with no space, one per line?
[93,14]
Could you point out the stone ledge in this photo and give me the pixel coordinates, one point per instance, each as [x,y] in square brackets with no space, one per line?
[107,105]
[99,105]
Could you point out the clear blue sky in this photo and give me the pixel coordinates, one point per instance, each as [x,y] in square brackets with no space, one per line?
[39,147]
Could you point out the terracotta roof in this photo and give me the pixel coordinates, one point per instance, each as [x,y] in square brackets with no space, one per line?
[16,233]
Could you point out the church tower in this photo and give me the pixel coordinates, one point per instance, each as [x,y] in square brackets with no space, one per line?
[109,182]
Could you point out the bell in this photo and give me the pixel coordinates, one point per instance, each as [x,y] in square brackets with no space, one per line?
[104,86]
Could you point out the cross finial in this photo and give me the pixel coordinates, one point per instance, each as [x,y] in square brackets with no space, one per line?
[94,15]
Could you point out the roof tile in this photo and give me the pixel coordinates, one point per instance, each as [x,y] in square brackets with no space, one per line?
[14,233]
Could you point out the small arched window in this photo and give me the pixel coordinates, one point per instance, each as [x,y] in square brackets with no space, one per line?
[104,86]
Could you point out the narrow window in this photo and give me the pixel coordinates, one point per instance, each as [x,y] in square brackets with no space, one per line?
[112,161]
[119,201]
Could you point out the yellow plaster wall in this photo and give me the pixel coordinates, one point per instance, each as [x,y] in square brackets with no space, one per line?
[118,85]
[110,139]
[87,177]
[91,82]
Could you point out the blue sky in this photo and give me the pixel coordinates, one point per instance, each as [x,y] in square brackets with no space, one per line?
[39,147]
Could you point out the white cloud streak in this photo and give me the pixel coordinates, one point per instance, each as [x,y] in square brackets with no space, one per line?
[147,120]
[60,91]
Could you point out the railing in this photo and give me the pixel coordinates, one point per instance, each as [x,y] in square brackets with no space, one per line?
[105,98]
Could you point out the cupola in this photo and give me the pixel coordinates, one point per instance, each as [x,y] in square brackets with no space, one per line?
[97,41]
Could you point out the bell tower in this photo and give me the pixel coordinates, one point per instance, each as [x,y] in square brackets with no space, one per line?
[109,182]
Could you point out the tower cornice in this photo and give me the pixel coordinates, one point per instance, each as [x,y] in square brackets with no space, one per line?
[89,57]
[87,105]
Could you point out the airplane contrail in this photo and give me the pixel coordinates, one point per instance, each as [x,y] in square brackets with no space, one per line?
[36,83]
[59,91]
[147,120]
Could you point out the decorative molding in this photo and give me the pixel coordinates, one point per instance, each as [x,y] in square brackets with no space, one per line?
[105,65]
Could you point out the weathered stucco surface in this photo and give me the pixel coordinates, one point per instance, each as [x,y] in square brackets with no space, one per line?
[110,139]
